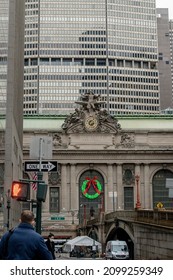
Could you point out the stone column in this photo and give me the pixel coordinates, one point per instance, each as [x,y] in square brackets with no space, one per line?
[64,190]
[110,189]
[73,189]
[120,188]
[147,189]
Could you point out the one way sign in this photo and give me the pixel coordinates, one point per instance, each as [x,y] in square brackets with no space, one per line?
[46,166]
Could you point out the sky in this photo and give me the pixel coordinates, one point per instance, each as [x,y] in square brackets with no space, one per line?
[166,4]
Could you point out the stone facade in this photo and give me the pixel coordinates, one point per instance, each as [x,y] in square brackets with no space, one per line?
[153,244]
[88,144]
[98,162]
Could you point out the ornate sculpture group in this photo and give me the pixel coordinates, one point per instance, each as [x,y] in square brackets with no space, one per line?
[90,117]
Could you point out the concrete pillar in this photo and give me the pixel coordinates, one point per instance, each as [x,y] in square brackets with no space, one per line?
[120,189]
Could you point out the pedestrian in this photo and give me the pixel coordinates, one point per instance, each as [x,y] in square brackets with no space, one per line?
[51,245]
[92,211]
[23,243]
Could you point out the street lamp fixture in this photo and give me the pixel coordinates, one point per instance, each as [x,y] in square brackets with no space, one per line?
[138,203]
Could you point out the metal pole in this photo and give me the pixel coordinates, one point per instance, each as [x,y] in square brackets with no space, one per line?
[39,203]
[40,153]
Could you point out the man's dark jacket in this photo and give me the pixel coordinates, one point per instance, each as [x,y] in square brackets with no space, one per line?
[25,244]
[51,247]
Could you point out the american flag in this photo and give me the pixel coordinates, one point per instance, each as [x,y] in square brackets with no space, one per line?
[34,184]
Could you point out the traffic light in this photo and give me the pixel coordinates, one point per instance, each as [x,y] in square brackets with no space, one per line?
[20,190]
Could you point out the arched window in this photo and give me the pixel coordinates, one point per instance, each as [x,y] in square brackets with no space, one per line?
[160,192]
[91,195]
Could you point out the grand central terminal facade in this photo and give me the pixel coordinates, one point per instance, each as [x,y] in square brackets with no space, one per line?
[104,164]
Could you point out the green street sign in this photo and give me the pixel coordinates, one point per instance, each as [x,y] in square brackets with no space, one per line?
[54,218]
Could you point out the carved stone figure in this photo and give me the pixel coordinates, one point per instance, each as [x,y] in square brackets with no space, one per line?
[127,140]
[90,118]
[57,140]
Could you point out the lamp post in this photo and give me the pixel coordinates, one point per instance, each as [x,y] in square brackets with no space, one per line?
[138,203]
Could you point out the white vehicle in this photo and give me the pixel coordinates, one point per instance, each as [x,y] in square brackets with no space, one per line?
[117,250]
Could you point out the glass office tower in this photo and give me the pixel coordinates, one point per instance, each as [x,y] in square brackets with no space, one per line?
[107,47]
[171,49]
[4,6]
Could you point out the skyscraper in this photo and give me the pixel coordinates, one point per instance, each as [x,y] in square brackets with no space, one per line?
[108,47]
[171,49]
[164,63]
[4,6]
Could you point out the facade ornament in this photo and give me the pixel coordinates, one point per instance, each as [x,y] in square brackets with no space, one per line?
[127,141]
[54,177]
[57,141]
[90,117]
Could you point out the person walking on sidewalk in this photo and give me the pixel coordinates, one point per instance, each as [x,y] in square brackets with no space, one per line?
[23,243]
[51,245]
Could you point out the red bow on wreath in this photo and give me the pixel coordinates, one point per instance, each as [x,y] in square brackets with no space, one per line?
[92,182]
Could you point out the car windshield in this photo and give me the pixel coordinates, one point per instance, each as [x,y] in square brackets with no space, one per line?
[119,248]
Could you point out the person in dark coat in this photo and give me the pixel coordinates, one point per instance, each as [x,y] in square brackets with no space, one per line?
[51,245]
[24,243]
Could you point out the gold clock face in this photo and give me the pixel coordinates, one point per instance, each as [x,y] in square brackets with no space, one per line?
[91,123]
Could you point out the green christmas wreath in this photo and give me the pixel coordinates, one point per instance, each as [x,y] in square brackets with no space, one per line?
[95,184]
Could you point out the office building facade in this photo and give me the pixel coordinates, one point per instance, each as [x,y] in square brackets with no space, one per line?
[4,7]
[107,47]
[164,55]
[171,49]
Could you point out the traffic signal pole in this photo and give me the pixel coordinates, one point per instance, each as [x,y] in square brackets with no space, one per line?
[39,206]
[39,202]
[19,190]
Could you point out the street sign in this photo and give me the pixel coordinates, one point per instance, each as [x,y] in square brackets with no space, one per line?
[46,166]
[56,218]
[41,147]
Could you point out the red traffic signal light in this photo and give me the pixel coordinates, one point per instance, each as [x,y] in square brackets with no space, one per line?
[19,190]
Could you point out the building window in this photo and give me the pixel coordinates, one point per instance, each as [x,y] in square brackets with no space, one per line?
[160,192]
[90,61]
[128,198]
[54,199]
[101,62]
[91,194]
[44,61]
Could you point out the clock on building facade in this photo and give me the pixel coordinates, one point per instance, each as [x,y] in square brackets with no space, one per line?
[91,123]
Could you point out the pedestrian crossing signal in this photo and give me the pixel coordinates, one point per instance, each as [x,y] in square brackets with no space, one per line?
[20,190]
